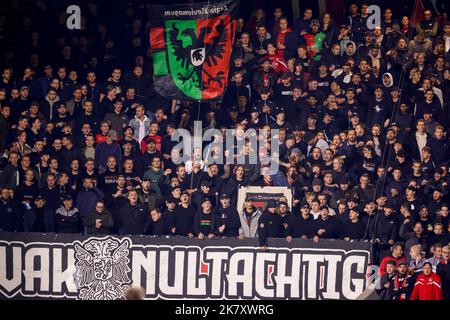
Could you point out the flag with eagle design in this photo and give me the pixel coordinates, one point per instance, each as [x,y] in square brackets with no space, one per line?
[191,48]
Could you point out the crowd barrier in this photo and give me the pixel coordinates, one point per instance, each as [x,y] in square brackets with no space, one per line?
[55,266]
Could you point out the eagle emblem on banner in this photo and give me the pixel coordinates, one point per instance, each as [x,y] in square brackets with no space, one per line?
[102,268]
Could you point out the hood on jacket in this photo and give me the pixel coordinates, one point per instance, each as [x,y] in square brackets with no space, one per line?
[351,53]
[52,102]
[388,80]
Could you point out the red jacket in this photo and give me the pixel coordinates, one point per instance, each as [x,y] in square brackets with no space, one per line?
[427,288]
[277,62]
[384,263]
[281,39]
[146,140]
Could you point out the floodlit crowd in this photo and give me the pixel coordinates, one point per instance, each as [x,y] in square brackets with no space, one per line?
[362,117]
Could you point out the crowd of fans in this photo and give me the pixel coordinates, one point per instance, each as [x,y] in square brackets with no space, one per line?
[362,116]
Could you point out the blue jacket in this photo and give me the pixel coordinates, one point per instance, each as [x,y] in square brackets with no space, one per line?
[440,149]
[86,200]
[104,150]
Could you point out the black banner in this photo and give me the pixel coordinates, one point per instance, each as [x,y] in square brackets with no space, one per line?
[90,268]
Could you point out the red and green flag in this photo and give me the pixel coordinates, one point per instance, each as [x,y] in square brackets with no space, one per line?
[191,49]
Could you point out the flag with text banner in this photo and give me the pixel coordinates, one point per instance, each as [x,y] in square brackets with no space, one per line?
[191,49]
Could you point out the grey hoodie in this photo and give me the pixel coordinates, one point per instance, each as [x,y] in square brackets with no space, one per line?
[252,230]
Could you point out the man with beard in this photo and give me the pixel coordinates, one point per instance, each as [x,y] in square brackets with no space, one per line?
[402,284]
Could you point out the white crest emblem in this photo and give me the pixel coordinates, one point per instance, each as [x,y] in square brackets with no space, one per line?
[198,56]
[102,268]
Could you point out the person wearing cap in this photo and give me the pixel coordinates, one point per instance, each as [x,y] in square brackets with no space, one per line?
[323,77]
[364,46]
[280,120]
[284,212]
[203,192]
[265,106]
[39,213]
[67,217]
[316,186]
[264,77]
[146,194]
[344,191]
[204,224]
[383,287]
[325,226]
[226,218]
[284,89]
[436,191]
[106,149]
[402,284]
[249,218]
[342,38]
[168,213]
[314,40]
[430,122]
[428,285]
[183,217]
[270,224]
[254,121]
[387,226]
